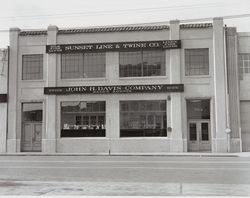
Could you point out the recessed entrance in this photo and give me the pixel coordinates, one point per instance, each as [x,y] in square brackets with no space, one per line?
[31,140]
[199,133]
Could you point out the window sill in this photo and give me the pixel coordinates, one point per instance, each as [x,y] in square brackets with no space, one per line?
[143,78]
[29,81]
[197,76]
[82,79]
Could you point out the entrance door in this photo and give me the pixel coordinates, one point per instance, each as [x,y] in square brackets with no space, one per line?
[31,139]
[32,136]
[199,135]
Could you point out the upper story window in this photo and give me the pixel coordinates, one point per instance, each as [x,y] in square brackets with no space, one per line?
[32,67]
[244,64]
[142,63]
[83,65]
[196,62]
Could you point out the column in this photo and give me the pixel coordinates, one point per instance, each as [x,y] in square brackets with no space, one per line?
[12,92]
[175,78]
[220,139]
[49,143]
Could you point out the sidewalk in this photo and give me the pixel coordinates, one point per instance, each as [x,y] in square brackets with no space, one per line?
[35,188]
[191,154]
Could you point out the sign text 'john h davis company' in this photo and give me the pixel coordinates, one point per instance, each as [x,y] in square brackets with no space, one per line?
[121,46]
[114,89]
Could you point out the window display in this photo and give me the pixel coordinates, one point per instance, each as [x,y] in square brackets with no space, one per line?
[143,118]
[83,119]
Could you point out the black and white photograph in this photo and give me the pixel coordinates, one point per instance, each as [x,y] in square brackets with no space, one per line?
[120,98]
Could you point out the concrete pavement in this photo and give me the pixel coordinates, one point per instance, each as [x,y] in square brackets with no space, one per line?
[124,175]
[34,188]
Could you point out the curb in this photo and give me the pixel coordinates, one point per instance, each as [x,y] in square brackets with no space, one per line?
[114,155]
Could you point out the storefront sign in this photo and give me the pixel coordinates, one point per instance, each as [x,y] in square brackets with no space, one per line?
[114,89]
[122,46]
[3,98]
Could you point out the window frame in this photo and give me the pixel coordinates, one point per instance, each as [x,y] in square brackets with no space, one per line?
[86,112]
[200,68]
[242,67]
[41,68]
[141,51]
[82,67]
[147,113]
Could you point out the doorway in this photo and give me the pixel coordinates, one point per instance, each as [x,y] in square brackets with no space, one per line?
[31,139]
[198,125]
[198,135]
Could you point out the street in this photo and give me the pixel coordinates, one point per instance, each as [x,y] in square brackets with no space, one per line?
[124,175]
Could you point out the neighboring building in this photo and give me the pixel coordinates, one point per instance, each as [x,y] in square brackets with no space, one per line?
[128,90]
[3,97]
[244,68]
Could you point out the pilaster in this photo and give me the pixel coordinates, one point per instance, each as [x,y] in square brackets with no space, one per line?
[176,104]
[12,92]
[220,139]
[49,142]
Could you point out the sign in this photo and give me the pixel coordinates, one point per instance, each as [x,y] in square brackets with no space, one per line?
[121,46]
[3,98]
[114,89]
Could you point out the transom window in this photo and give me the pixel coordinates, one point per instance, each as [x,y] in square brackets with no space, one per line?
[244,64]
[79,65]
[196,61]
[142,118]
[32,67]
[142,63]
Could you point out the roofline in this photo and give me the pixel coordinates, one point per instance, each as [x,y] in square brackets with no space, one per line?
[124,28]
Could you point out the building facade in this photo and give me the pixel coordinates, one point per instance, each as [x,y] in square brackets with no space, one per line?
[127,90]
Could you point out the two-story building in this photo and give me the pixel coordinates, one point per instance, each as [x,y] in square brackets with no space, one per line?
[127,90]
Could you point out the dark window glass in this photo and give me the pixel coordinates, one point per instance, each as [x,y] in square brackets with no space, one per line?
[193,131]
[196,61]
[136,120]
[79,65]
[198,109]
[142,63]
[204,132]
[32,67]
[83,119]
[32,112]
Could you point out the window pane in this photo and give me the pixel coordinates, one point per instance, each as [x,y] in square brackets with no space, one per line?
[32,67]
[204,132]
[196,62]
[94,65]
[142,63]
[192,132]
[83,119]
[143,118]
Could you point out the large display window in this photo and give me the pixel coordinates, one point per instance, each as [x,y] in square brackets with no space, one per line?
[83,119]
[143,118]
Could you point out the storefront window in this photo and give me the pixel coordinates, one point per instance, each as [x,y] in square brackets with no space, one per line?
[142,63]
[83,119]
[143,118]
